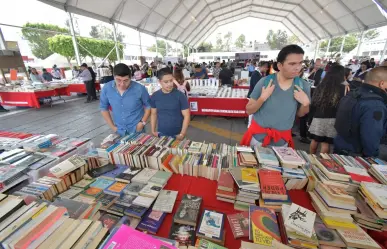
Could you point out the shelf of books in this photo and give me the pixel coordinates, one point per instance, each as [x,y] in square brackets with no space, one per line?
[140,191]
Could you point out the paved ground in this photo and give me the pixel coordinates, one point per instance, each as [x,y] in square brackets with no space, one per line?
[77,119]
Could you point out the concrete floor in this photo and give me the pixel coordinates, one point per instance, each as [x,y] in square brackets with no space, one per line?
[77,119]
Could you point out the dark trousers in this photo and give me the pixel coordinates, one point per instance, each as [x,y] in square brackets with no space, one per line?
[90,89]
[303,126]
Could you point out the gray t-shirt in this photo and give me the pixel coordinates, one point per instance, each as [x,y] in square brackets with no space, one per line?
[279,110]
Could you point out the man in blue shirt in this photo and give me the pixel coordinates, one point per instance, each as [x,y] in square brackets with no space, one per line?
[129,101]
[169,108]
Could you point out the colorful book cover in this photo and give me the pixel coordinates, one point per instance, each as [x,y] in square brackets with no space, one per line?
[94,192]
[161,178]
[152,221]
[249,175]
[226,180]
[239,224]
[106,200]
[133,188]
[84,183]
[288,155]
[135,210]
[300,219]
[126,236]
[266,154]
[188,210]
[184,234]
[327,236]
[333,166]
[263,226]
[272,182]
[102,183]
[126,200]
[116,188]
[358,238]
[109,221]
[211,225]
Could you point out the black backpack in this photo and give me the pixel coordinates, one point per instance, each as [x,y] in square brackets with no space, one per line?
[344,124]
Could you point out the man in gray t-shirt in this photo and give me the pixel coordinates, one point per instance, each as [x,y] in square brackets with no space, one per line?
[276,105]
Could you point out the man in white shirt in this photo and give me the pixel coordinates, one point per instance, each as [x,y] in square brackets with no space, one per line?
[355,66]
[86,77]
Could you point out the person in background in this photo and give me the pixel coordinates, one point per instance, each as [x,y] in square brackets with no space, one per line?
[56,73]
[372,63]
[200,72]
[317,73]
[276,100]
[180,83]
[226,76]
[170,110]
[251,67]
[75,71]
[347,76]
[93,79]
[46,75]
[216,70]
[35,76]
[384,63]
[137,72]
[323,110]
[85,76]
[257,76]
[129,101]
[29,70]
[361,119]
[170,66]
[145,67]
[360,75]
[354,66]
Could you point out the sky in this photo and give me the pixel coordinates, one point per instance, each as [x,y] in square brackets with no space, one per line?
[35,11]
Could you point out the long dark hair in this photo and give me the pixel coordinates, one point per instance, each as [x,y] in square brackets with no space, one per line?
[329,90]
[179,77]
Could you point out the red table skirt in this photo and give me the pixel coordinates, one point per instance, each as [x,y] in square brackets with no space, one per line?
[241,87]
[207,189]
[225,107]
[81,88]
[30,99]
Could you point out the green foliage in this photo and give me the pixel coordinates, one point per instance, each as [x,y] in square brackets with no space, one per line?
[349,44]
[161,47]
[277,40]
[293,40]
[205,47]
[240,42]
[371,34]
[227,41]
[38,39]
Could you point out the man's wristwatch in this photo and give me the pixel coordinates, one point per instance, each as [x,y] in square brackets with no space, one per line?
[143,122]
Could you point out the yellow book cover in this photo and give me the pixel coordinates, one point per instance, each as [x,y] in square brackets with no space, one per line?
[117,187]
[263,226]
[339,224]
[249,175]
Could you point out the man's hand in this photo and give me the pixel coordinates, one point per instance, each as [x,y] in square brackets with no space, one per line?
[155,133]
[139,127]
[301,96]
[115,129]
[267,92]
[180,137]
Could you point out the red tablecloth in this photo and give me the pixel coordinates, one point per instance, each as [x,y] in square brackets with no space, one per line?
[30,99]
[225,107]
[202,187]
[241,87]
[81,88]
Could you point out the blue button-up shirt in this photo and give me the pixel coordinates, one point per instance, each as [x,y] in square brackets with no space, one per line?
[127,109]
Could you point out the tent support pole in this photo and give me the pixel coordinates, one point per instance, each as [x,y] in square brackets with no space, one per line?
[360,43]
[328,47]
[116,42]
[317,48]
[383,52]
[342,45]
[75,44]
[139,37]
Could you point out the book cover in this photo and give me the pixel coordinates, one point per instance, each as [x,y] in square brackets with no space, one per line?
[271,182]
[152,221]
[128,221]
[206,244]
[161,178]
[165,201]
[93,192]
[327,236]
[112,174]
[211,225]
[288,155]
[188,211]
[116,188]
[333,166]
[84,183]
[94,173]
[126,236]
[144,176]
[358,238]
[102,183]
[126,200]
[109,220]
[300,219]
[263,226]
[74,208]
[143,201]
[133,188]
[184,234]
[239,224]
[266,155]
[116,209]
[70,193]
[106,200]
[150,190]
[135,211]
[225,182]
[249,175]
[128,174]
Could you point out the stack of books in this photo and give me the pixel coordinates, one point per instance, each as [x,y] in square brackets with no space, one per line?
[266,157]
[334,206]
[249,187]
[226,190]
[379,172]
[327,236]
[273,190]
[357,239]
[289,157]
[246,159]
[366,217]
[294,178]
[375,195]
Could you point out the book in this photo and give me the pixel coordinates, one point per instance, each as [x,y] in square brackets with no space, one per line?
[84,183]
[102,183]
[135,211]
[75,208]
[112,174]
[358,238]
[151,221]
[184,234]
[272,185]
[70,193]
[288,157]
[133,188]
[327,236]
[206,244]
[94,173]
[76,234]
[67,166]
[109,220]
[160,178]
[377,192]
[125,200]
[266,156]
[92,192]
[126,236]
[128,221]
[211,226]
[9,206]
[143,201]
[226,182]
[263,227]
[188,210]
[239,224]
[300,219]
[116,188]
[106,200]
[144,176]
[127,175]
[165,201]
[150,190]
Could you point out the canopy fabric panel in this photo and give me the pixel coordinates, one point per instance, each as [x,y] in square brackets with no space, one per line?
[191,21]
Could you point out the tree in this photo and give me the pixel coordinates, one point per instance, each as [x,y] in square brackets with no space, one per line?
[277,40]
[350,43]
[371,34]
[227,41]
[161,47]
[105,33]
[219,43]
[240,42]
[38,39]
[205,47]
[63,45]
[293,40]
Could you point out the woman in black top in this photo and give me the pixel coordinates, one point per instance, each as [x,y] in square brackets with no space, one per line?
[324,106]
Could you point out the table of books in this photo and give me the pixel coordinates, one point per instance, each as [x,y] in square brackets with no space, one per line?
[30,99]
[81,88]
[226,107]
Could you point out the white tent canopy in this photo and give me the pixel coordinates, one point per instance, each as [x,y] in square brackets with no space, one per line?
[191,21]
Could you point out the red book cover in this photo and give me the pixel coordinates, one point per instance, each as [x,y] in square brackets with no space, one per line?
[271,182]
[239,224]
[363,163]
[226,194]
[226,180]
[166,165]
[333,166]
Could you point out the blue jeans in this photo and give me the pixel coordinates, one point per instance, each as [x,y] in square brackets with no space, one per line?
[164,135]
[123,133]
